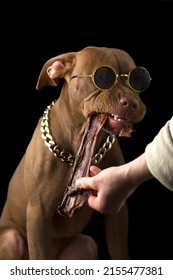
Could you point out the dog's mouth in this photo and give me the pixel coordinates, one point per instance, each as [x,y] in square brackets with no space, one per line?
[74,198]
[115,124]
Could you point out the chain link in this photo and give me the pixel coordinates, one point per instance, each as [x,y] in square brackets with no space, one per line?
[60,152]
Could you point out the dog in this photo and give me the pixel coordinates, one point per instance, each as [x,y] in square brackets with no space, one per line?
[41,218]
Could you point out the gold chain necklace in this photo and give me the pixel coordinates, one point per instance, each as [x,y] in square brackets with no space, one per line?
[60,152]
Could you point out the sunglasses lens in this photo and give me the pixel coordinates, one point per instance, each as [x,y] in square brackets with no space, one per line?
[104,77]
[139,79]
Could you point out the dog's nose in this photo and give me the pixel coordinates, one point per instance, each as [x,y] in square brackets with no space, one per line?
[128,102]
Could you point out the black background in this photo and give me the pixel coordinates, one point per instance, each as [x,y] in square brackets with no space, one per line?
[33,32]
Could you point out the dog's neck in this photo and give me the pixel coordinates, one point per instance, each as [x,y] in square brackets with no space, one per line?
[67,125]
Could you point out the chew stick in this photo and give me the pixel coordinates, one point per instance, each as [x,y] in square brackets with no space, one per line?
[74,198]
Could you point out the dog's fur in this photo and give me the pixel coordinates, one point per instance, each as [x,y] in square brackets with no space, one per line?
[30,226]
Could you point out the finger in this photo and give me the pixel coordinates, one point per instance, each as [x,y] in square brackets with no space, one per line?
[94,202]
[94,170]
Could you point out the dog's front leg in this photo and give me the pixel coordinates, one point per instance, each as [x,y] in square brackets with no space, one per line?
[117,234]
[38,233]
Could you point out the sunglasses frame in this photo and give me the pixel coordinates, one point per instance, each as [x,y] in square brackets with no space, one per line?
[116,76]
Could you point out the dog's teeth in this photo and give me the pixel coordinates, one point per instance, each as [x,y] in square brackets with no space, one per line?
[116,117]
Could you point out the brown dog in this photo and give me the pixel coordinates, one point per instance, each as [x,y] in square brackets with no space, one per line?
[36,223]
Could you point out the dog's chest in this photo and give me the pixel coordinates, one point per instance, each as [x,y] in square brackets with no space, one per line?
[66,226]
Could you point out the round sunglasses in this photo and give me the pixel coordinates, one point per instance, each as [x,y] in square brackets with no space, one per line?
[105,77]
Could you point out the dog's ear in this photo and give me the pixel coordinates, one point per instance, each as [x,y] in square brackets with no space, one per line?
[54,69]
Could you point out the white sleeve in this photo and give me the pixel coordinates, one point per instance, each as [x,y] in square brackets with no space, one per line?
[159,155]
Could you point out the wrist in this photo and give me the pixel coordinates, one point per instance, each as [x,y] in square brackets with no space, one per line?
[138,171]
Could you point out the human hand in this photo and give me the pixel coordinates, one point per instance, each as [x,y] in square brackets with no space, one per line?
[106,196]
[111,187]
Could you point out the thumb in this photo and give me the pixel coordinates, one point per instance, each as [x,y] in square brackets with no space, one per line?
[84,183]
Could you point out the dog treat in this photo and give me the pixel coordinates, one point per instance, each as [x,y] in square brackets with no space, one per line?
[74,198]
[125,132]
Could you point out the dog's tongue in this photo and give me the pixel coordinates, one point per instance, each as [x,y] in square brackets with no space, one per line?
[74,198]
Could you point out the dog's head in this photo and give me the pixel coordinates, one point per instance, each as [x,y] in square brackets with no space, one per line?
[100,80]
